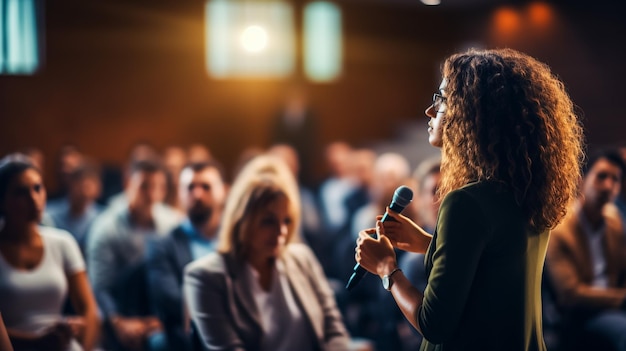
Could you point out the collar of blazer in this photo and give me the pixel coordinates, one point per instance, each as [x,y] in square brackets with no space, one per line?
[300,282]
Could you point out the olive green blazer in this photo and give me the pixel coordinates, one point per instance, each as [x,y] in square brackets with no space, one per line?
[484,274]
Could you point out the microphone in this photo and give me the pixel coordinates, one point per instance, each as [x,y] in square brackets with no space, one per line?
[401,198]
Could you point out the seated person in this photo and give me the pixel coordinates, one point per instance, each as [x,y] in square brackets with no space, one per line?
[202,192]
[77,211]
[116,255]
[585,261]
[39,268]
[262,290]
[427,177]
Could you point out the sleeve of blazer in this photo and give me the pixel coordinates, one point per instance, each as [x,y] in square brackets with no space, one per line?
[207,299]
[571,291]
[335,334]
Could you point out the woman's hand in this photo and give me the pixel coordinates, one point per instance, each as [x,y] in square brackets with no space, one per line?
[55,337]
[77,326]
[130,331]
[405,234]
[374,251]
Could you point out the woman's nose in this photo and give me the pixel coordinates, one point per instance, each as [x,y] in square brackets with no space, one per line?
[430,112]
[284,229]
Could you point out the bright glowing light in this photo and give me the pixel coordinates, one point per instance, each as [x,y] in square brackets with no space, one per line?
[540,13]
[254,39]
[507,21]
[235,29]
[431,2]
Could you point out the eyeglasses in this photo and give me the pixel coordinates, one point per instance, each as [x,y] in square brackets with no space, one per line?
[438,99]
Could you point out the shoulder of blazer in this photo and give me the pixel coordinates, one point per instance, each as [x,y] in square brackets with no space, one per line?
[210,263]
[298,252]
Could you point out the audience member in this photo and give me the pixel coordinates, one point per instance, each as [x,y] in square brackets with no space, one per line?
[585,260]
[620,200]
[311,222]
[174,159]
[202,191]
[390,171]
[363,173]
[39,267]
[68,159]
[140,151]
[338,185]
[427,176]
[295,125]
[244,157]
[368,312]
[198,153]
[78,209]
[116,249]
[262,290]
[340,195]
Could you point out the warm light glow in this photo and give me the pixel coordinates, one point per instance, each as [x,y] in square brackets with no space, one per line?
[254,39]
[507,21]
[250,39]
[431,2]
[540,13]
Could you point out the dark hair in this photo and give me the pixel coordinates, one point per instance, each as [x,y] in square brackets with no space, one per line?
[201,166]
[87,169]
[148,166]
[613,156]
[10,166]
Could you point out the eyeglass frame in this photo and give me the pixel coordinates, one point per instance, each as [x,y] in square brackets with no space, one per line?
[438,99]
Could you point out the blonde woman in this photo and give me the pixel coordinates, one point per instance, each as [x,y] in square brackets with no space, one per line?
[262,290]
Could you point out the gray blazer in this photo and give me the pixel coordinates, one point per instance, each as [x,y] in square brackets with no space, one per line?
[224,313]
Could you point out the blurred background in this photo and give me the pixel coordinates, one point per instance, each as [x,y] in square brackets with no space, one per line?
[105,75]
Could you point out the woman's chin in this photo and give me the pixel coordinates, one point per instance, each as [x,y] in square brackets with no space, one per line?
[434,142]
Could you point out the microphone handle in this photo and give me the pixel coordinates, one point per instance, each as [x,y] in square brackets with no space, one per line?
[395,208]
[359,271]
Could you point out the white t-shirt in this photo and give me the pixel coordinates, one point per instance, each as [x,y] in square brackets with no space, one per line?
[31,300]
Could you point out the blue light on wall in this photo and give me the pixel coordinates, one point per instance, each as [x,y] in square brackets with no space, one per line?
[322,41]
[19,41]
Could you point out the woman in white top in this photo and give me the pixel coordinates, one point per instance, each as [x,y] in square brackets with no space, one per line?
[39,267]
[261,290]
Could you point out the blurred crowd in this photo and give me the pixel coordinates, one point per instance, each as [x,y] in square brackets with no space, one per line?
[135,230]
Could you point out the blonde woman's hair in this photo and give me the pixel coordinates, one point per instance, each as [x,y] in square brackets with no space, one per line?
[261,181]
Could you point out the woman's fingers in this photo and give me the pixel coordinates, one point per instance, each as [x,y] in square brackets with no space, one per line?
[364,234]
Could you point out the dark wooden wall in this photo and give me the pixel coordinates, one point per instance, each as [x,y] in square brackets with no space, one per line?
[121,71]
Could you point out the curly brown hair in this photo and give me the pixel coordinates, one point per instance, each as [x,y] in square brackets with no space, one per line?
[509,119]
